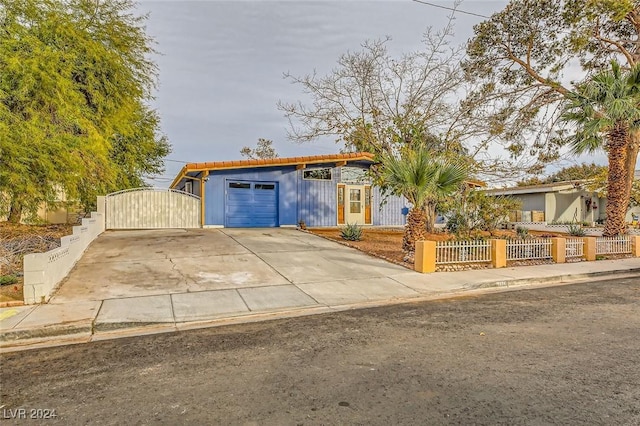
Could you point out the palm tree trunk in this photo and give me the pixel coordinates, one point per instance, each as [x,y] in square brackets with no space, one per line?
[430,218]
[617,193]
[632,157]
[415,229]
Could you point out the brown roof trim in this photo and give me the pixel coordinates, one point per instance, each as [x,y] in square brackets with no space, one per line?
[272,162]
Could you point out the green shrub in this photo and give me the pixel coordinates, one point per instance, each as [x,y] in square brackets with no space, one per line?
[522,231]
[8,279]
[351,232]
[457,224]
[576,231]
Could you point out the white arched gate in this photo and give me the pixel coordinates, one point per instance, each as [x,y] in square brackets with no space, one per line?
[151,208]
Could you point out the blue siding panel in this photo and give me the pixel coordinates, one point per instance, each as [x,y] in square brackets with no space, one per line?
[313,201]
[389,214]
[317,200]
[284,177]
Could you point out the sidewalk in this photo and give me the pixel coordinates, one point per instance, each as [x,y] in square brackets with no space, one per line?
[73,322]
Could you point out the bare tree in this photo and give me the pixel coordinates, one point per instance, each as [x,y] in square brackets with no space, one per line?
[264,149]
[373,101]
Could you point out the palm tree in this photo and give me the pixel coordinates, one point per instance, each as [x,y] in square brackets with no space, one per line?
[605,111]
[422,179]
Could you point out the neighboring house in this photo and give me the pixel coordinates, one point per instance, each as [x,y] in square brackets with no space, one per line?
[320,190]
[60,211]
[568,201]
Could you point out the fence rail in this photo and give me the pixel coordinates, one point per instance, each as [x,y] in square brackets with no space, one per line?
[574,247]
[529,249]
[613,245]
[448,252]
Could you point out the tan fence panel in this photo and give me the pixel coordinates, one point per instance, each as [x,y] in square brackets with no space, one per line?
[148,208]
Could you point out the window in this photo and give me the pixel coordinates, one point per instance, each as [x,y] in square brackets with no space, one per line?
[239,185]
[268,186]
[188,187]
[354,175]
[317,174]
[355,202]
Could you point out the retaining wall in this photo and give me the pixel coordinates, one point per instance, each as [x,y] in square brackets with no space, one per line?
[44,271]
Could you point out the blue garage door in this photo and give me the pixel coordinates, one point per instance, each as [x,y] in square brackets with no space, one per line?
[251,204]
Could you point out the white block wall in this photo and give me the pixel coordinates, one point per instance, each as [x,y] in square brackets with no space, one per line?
[44,271]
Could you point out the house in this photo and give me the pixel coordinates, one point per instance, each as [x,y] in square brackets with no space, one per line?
[319,190]
[558,202]
[60,210]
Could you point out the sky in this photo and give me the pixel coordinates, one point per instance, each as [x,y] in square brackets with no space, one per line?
[221,63]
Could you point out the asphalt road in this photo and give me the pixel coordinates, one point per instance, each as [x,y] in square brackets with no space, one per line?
[558,355]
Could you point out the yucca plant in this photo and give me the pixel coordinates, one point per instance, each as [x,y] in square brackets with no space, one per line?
[576,230]
[522,232]
[351,232]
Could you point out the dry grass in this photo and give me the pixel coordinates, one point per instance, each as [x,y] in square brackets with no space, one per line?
[18,240]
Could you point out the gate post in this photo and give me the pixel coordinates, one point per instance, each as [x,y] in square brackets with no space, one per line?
[102,211]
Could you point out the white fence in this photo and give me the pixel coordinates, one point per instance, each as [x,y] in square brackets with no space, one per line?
[448,252]
[528,249]
[152,208]
[613,245]
[44,271]
[574,247]
[545,227]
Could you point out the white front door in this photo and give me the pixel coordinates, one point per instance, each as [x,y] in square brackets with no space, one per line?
[355,204]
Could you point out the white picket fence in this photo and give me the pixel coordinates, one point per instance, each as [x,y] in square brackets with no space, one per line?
[535,248]
[574,247]
[449,252]
[613,245]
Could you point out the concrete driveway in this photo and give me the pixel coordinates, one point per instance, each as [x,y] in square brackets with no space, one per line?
[187,275]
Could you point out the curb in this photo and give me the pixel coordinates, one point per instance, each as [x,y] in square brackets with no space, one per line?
[554,279]
[11,336]
[86,331]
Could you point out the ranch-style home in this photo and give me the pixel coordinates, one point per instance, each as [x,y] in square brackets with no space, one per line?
[319,190]
[568,201]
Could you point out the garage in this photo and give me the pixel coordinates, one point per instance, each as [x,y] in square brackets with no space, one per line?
[251,204]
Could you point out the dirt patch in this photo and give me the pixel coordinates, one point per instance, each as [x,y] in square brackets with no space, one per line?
[18,240]
[382,243]
[386,243]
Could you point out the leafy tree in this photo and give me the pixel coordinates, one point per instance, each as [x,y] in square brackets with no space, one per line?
[582,171]
[473,210]
[423,179]
[524,53]
[264,149]
[75,80]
